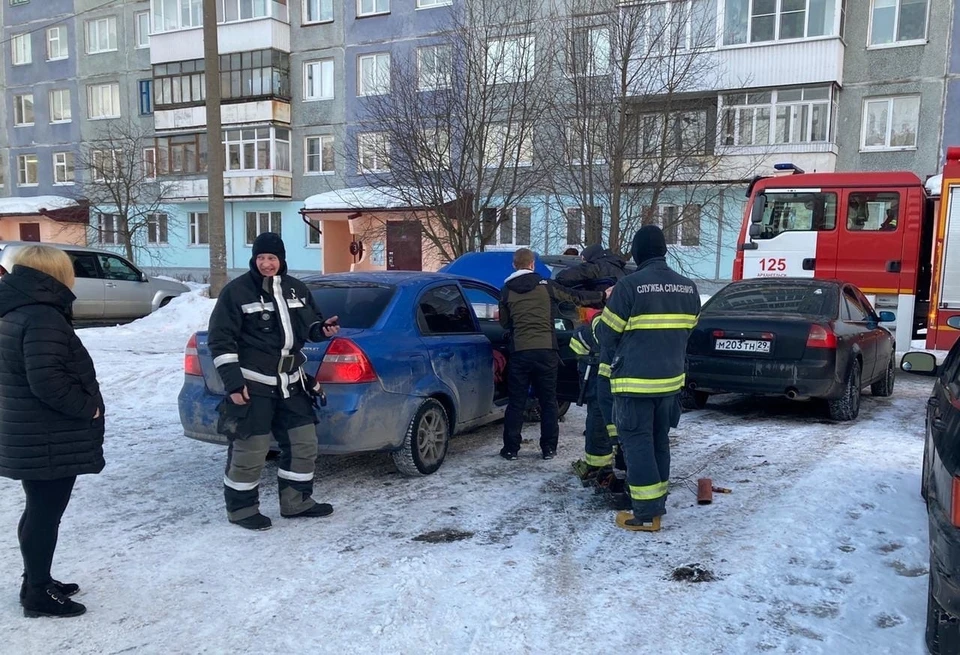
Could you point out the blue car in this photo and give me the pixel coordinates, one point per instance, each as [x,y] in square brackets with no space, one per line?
[412,365]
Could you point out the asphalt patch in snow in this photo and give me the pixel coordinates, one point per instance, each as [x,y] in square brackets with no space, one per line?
[692,573]
[445,536]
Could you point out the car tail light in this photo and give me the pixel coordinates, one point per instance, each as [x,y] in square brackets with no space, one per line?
[821,337]
[718,334]
[345,363]
[766,336]
[191,360]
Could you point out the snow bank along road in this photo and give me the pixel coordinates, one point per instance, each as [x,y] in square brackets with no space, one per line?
[821,547]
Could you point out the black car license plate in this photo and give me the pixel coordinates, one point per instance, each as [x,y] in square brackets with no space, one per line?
[743,346]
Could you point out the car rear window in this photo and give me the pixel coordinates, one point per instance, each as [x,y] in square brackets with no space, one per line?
[780,299]
[358,304]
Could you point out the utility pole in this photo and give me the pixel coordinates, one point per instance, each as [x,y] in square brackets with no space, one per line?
[216,219]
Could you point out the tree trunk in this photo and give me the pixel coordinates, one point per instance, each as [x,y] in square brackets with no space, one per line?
[216,218]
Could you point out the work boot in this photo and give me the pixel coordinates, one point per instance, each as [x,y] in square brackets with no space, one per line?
[586,472]
[65,588]
[627,521]
[318,510]
[549,453]
[508,455]
[49,602]
[256,522]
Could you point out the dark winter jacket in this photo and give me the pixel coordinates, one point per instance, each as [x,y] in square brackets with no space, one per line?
[600,269]
[646,323]
[528,309]
[257,330]
[48,386]
[584,344]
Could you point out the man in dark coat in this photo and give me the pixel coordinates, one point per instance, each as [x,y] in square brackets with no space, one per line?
[257,329]
[51,414]
[600,269]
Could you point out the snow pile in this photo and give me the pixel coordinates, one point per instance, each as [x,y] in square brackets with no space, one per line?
[34,205]
[369,197]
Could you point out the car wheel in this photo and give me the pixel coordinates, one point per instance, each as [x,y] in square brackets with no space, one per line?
[563,408]
[943,629]
[165,301]
[425,443]
[693,399]
[884,386]
[847,407]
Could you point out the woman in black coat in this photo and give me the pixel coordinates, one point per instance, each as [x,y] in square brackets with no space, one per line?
[51,414]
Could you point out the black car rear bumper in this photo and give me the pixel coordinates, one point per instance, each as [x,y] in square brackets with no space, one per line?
[802,379]
[944,559]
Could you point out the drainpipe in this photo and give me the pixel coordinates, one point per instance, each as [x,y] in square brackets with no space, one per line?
[720,236]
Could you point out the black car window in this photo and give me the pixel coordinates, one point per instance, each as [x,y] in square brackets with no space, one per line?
[84,264]
[855,312]
[115,268]
[950,371]
[485,305]
[775,298]
[443,310]
[356,304]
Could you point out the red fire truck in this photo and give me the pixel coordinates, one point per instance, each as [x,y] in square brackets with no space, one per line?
[891,234]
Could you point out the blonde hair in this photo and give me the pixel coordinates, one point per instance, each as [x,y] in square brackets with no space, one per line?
[47,259]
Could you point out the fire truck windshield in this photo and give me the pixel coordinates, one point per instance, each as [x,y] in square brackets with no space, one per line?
[795,212]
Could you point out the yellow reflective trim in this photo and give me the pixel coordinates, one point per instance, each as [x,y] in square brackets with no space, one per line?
[577,347]
[616,323]
[662,322]
[604,370]
[598,460]
[612,430]
[643,385]
[648,492]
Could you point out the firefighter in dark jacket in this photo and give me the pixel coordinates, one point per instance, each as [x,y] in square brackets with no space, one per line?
[646,323]
[257,328]
[598,444]
[599,270]
[528,309]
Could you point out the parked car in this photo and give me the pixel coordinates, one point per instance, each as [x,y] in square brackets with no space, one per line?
[802,338]
[413,365]
[940,488]
[107,286]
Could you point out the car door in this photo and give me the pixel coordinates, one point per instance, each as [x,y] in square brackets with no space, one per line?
[485,303]
[88,286]
[126,295]
[943,415]
[461,355]
[859,319]
[884,345]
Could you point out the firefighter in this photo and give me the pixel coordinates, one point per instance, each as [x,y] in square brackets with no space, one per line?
[646,323]
[600,269]
[598,447]
[257,328]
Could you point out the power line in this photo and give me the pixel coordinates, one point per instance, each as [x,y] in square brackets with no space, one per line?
[59,20]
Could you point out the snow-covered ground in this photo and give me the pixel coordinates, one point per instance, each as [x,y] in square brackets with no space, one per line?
[821,547]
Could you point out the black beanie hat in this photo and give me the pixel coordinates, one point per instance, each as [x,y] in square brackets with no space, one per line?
[269,243]
[648,243]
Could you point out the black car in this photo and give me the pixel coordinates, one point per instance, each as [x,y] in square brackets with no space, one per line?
[802,338]
[940,488]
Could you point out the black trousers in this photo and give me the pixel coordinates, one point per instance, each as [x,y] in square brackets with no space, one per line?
[40,526]
[539,369]
[644,427]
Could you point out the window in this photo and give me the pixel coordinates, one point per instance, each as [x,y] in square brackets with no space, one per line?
[314,236]
[101,35]
[590,51]
[685,132]
[260,222]
[897,21]
[23,109]
[63,169]
[14,3]
[799,115]
[60,111]
[373,74]
[507,227]
[317,11]
[373,152]
[433,150]
[57,43]
[255,74]
[757,21]
[103,101]
[508,146]
[372,7]
[586,141]
[180,155]
[792,212]
[319,155]
[198,227]
[690,226]
[580,231]
[146,97]
[115,268]
[852,309]
[485,306]
[84,264]
[21,47]
[157,229]
[318,80]
[106,164]
[443,310]
[141,24]
[180,83]
[172,15]
[107,225]
[229,11]
[433,67]
[873,212]
[510,60]
[27,170]
[890,123]
[250,149]
[150,163]
[426,4]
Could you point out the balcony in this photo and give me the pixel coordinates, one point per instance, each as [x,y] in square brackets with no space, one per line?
[186,44]
[784,63]
[236,185]
[262,111]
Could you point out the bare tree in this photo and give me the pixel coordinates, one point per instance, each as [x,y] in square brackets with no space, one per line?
[453,132]
[124,190]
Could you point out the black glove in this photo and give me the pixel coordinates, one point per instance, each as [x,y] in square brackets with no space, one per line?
[316,390]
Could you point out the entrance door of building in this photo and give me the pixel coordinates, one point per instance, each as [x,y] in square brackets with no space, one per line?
[30,231]
[404,246]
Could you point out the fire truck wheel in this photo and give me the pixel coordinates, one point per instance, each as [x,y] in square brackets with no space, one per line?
[847,407]
[884,386]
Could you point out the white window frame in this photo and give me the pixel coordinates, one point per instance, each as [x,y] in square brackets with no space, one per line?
[108,235]
[313,234]
[150,163]
[24,164]
[375,10]
[898,5]
[57,35]
[440,54]
[832,32]
[20,110]
[506,67]
[430,4]
[194,222]
[511,217]
[891,102]
[156,220]
[380,143]
[141,38]
[92,35]
[247,142]
[321,73]
[498,148]
[21,49]
[576,143]
[435,142]
[99,169]
[319,4]
[321,140]
[60,105]
[581,217]
[98,92]
[264,223]
[192,9]
[379,86]
[771,106]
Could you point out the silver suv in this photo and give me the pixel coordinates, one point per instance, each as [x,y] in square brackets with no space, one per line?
[108,286]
